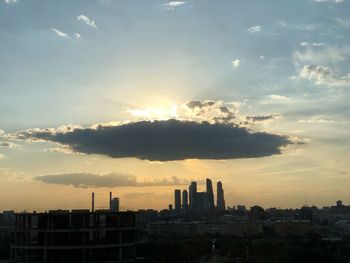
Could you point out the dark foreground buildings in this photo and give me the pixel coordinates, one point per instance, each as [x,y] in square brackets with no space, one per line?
[74,236]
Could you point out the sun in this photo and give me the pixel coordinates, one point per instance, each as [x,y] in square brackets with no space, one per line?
[155,113]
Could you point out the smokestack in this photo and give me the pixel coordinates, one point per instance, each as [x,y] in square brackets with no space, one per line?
[110,200]
[93,202]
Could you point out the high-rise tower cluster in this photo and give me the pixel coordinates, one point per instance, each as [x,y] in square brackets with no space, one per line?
[200,201]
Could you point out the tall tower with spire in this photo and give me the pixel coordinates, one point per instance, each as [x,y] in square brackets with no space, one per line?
[184,200]
[192,192]
[220,198]
[210,194]
[177,195]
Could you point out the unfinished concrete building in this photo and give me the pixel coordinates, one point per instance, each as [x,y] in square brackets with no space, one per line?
[74,236]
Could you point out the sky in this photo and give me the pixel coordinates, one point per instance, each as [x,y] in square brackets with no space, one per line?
[143,97]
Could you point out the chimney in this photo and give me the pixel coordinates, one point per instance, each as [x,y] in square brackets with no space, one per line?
[110,200]
[93,202]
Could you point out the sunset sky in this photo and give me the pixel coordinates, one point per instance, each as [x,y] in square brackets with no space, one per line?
[142,97]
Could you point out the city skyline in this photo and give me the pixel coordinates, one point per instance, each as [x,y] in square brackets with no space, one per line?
[144,97]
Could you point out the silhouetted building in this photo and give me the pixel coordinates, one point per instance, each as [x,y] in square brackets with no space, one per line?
[7,223]
[76,236]
[339,203]
[305,213]
[257,212]
[115,204]
[220,197]
[185,200]
[192,191]
[177,196]
[170,207]
[210,193]
[201,202]
[241,208]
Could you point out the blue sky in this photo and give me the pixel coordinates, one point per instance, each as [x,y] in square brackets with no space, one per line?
[89,62]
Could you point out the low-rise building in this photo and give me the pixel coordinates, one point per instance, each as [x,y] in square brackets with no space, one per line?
[74,236]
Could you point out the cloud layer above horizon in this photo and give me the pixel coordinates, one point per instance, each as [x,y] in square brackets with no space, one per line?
[91,180]
[166,140]
[117,73]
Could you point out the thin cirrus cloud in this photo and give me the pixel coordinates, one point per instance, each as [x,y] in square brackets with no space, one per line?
[92,180]
[343,23]
[316,121]
[87,20]
[318,53]
[329,1]
[322,75]
[315,44]
[11,2]
[174,4]
[59,32]
[255,29]
[9,145]
[280,98]
[63,34]
[168,140]
[264,117]
[276,99]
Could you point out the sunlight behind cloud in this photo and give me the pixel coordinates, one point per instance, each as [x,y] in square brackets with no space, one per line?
[156,113]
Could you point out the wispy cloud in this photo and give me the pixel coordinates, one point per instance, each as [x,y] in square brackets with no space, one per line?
[276,99]
[91,180]
[296,26]
[314,44]
[87,20]
[1,156]
[11,1]
[316,120]
[8,145]
[322,75]
[329,1]
[173,4]
[263,118]
[236,63]
[343,23]
[255,29]
[319,53]
[59,32]
[77,35]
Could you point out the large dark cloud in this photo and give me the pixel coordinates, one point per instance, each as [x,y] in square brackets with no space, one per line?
[90,180]
[165,140]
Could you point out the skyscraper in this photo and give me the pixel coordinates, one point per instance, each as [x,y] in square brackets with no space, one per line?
[185,200]
[201,202]
[177,199]
[193,191]
[210,194]
[220,197]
